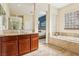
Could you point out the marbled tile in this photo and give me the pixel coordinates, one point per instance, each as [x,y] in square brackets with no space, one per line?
[50,50]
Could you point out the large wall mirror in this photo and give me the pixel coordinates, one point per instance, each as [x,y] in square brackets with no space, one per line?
[15,23]
[2,11]
[2,18]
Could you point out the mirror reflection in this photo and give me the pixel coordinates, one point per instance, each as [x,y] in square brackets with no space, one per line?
[15,23]
[2,18]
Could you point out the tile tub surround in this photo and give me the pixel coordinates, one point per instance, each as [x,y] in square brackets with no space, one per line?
[66,34]
[66,42]
[67,38]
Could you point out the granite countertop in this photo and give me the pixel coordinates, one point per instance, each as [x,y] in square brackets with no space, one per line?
[5,33]
[67,38]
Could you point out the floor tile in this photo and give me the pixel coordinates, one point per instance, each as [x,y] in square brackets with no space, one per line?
[49,50]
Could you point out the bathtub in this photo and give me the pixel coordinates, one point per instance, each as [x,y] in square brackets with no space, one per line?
[66,42]
[67,38]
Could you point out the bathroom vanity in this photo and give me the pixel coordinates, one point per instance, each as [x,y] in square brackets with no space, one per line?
[15,40]
[0,46]
[18,44]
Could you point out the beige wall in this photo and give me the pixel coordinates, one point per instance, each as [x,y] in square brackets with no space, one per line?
[28,22]
[53,16]
[36,23]
[60,19]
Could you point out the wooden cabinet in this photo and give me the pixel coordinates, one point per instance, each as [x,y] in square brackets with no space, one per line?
[34,42]
[0,45]
[10,46]
[24,44]
[18,44]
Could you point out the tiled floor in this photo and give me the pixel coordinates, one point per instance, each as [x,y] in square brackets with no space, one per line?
[49,50]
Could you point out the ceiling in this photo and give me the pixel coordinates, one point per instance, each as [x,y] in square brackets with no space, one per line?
[41,9]
[21,8]
[60,5]
[27,8]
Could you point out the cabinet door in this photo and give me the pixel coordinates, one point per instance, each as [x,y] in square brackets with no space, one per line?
[10,46]
[34,42]
[0,47]
[24,44]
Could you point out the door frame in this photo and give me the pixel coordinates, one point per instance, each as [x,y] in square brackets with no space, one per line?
[35,21]
[48,24]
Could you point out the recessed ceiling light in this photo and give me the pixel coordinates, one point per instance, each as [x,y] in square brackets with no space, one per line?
[19,5]
[60,5]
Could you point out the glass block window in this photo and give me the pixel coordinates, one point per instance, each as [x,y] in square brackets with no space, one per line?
[72,20]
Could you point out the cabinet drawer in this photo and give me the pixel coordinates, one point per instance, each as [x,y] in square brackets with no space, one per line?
[23,37]
[9,38]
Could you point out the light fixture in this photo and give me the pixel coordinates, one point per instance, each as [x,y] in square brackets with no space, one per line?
[19,5]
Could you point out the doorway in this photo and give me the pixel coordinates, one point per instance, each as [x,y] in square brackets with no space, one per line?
[42,28]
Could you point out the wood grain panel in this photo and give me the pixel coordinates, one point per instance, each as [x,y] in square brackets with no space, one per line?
[10,46]
[10,38]
[0,46]
[24,44]
[34,42]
